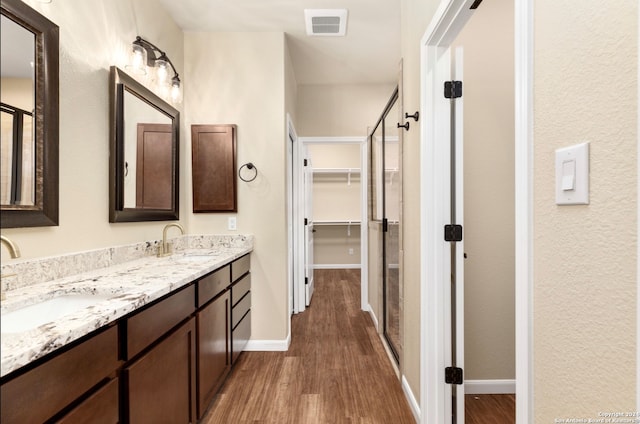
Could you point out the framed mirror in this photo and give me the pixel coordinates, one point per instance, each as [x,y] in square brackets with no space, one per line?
[29,117]
[143,159]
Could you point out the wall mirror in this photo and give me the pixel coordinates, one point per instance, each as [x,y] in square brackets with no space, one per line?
[29,117]
[143,159]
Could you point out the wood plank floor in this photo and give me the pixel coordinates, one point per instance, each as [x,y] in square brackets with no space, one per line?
[336,370]
[490,409]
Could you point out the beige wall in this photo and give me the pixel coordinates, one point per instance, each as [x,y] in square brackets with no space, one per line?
[415,17]
[93,36]
[241,80]
[585,256]
[489,215]
[340,110]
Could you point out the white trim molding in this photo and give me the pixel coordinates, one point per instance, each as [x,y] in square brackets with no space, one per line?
[373,316]
[413,403]
[489,387]
[435,67]
[523,15]
[268,345]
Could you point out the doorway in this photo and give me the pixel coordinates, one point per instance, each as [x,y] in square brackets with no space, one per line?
[329,210]
[443,296]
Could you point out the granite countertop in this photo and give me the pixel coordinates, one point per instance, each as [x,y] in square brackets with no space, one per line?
[119,289]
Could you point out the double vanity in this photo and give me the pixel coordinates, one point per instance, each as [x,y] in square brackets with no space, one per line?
[126,336]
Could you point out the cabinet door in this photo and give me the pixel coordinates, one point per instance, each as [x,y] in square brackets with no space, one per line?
[213,349]
[161,384]
[213,155]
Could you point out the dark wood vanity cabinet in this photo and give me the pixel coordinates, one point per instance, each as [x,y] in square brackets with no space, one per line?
[162,363]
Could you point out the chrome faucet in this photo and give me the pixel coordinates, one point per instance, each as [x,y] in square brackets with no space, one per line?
[14,252]
[165,248]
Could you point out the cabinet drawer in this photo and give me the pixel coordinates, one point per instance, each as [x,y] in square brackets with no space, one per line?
[150,324]
[45,390]
[241,308]
[240,336]
[241,288]
[212,284]
[240,266]
[99,408]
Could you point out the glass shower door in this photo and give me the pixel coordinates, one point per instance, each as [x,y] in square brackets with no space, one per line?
[384,226]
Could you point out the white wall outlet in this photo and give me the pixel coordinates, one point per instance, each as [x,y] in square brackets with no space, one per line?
[232,224]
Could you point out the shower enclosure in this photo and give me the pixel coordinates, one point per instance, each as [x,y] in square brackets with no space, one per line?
[385,196]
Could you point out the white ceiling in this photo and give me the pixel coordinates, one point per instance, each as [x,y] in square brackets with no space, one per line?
[369,53]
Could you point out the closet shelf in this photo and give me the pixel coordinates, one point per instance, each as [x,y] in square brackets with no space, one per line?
[337,222]
[350,173]
[336,171]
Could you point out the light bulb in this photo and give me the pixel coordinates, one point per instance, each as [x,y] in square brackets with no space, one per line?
[162,71]
[138,61]
[176,93]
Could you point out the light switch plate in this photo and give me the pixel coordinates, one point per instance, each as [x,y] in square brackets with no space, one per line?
[232,223]
[572,175]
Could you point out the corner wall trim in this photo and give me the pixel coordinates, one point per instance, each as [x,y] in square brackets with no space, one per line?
[494,387]
[413,403]
[269,345]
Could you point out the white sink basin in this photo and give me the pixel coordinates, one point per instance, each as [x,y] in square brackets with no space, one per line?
[47,311]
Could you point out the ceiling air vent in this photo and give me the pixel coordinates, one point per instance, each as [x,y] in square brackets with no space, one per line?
[326,22]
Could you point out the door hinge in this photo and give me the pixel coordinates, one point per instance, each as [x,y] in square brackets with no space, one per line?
[305,162]
[453,232]
[475,4]
[306,222]
[306,281]
[453,375]
[452,89]
[385,225]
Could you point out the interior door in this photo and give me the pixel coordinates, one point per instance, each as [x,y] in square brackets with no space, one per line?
[454,374]
[308,234]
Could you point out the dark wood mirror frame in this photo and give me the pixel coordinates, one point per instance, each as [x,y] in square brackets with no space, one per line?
[45,211]
[118,84]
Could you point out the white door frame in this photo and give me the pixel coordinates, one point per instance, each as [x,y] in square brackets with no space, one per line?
[296,285]
[291,141]
[447,22]
[364,244]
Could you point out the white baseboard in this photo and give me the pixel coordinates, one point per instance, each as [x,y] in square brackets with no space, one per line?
[413,403]
[269,345]
[485,387]
[337,266]
[373,317]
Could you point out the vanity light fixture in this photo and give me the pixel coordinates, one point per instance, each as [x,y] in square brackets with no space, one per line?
[147,59]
